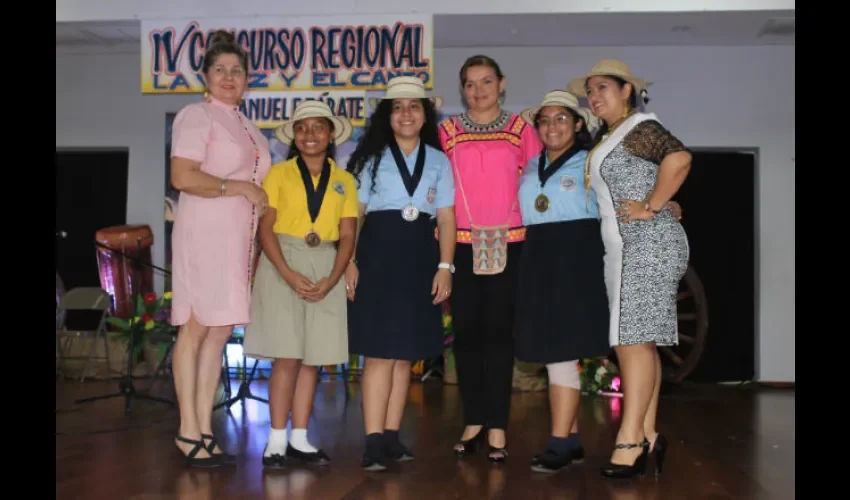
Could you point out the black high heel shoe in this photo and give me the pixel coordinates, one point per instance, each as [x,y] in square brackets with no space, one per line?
[470,445]
[659,451]
[192,460]
[621,471]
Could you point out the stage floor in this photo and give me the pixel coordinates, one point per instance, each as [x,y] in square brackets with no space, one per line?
[725,442]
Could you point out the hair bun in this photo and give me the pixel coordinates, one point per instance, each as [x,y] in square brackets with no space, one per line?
[222,37]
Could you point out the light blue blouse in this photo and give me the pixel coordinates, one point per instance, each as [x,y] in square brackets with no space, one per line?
[565,190]
[436,188]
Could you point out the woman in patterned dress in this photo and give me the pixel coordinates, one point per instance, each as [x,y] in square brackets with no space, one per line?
[488,148]
[636,167]
[218,160]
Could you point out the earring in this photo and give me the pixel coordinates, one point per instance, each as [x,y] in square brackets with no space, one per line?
[206,95]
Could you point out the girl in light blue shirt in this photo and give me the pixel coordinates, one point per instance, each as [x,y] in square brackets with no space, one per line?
[562,305]
[402,274]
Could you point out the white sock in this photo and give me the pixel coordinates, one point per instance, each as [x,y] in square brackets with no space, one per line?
[277,442]
[299,441]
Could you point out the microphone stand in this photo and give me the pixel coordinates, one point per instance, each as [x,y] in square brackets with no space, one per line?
[125,386]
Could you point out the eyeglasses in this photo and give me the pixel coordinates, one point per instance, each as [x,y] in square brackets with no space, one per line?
[559,119]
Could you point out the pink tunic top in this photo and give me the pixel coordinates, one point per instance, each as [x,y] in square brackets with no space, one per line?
[212,238]
[487,166]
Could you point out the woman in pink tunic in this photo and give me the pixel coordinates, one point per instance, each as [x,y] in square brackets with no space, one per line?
[488,148]
[218,161]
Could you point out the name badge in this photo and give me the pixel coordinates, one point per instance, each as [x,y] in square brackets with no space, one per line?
[568,183]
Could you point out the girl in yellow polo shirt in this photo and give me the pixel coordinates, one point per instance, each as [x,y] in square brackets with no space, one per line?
[298,307]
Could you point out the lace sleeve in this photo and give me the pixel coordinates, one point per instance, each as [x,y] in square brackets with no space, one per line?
[652,142]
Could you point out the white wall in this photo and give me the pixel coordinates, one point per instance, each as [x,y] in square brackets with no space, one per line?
[709,96]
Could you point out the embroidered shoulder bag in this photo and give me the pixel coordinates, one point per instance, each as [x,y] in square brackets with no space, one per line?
[489,243]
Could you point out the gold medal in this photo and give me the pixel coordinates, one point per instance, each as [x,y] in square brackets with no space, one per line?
[312,239]
[541,203]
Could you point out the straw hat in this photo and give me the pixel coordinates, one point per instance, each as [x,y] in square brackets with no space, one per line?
[314,109]
[608,67]
[405,87]
[564,99]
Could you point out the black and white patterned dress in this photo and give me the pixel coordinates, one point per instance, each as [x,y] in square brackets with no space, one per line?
[644,260]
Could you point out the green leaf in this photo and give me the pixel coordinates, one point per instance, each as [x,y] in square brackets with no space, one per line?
[120,323]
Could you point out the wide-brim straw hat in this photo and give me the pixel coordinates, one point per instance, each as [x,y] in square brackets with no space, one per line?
[564,99]
[314,109]
[607,67]
[405,87]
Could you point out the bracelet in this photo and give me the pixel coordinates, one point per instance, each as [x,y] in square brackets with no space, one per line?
[223,186]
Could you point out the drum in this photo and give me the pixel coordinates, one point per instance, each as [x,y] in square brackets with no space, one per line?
[123,258]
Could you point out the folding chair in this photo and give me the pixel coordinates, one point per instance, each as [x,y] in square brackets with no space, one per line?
[85,311]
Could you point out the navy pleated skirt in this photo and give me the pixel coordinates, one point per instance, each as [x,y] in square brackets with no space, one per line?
[392,315]
[562,304]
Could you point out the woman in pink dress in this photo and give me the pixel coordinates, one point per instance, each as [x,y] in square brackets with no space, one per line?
[218,161]
[488,148]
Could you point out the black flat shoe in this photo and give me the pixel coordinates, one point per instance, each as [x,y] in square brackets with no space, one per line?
[318,457]
[373,462]
[399,452]
[622,471]
[550,461]
[191,460]
[226,458]
[274,461]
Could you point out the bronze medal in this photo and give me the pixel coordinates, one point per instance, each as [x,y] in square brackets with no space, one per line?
[541,203]
[314,196]
[312,239]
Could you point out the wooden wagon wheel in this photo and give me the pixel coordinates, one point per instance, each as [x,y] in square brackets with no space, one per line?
[60,291]
[692,306]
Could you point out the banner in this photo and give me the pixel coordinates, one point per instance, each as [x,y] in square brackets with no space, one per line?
[270,109]
[293,53]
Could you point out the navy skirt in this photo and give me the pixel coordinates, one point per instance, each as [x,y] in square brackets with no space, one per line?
[392,315]
[562,304]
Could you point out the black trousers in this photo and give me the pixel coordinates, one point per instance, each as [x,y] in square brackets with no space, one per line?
[483,316]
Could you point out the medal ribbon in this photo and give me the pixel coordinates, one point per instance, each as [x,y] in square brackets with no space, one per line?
[544,173]
[410,182]
[317,195]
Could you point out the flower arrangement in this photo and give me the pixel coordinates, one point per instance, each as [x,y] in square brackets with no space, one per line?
[598,375]
[448,330]
[151,316]
[449,370]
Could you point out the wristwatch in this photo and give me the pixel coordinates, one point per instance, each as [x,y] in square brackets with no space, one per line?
[446,265]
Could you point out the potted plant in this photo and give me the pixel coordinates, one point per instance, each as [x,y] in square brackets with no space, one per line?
[147,327]
[598,375]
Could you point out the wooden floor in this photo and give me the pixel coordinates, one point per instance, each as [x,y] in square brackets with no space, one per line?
[725,442]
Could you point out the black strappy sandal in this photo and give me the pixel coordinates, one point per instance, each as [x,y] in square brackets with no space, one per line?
[212,461]
[497,459]
[470,445]
[226,458]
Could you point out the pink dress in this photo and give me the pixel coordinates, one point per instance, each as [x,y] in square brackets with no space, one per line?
[213,238]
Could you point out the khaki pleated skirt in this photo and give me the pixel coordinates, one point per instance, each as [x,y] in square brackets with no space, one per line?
[283,325]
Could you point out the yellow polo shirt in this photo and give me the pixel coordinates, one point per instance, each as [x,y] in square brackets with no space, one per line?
[285,190]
